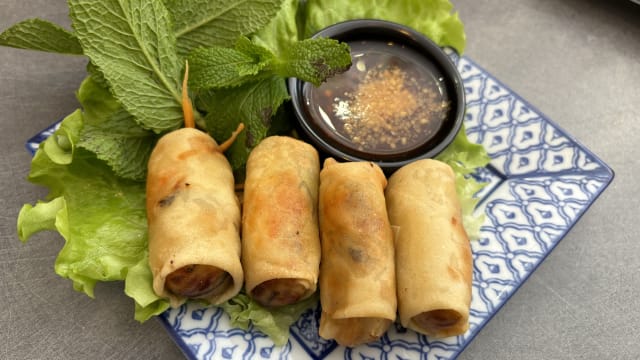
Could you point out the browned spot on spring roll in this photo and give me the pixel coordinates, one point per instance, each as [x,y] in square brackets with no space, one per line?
[357,272]
[433,254]
[280,240]
[194,220]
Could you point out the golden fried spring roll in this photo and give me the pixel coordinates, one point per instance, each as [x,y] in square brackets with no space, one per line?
[357,273]
[280,239]
[194,220]
[433,254]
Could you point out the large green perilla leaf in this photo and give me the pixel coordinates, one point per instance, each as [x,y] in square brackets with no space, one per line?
[133,45]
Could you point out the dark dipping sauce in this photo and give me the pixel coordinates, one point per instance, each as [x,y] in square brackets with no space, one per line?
[390,102]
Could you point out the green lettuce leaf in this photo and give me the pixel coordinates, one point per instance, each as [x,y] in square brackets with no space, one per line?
[101,216]
[275,323]
[203,23]
[60,146]
[282,30]
[42,35]
[465,158]
[41,217]
[112,134]
[433,18]
[138,285]
[133,45]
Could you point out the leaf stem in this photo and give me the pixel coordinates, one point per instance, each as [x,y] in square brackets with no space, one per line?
[187,106]
[225,145]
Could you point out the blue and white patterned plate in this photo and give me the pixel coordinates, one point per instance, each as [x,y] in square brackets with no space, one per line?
[541,181]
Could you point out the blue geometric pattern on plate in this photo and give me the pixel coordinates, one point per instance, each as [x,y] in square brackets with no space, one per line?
[33,143]
[540,181]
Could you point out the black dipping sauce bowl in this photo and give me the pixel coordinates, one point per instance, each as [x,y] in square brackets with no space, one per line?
[401,100]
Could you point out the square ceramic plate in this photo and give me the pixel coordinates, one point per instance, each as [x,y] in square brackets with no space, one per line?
[540,181]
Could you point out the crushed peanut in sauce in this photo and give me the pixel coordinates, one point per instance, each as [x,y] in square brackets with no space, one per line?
[388,110]
[383,103]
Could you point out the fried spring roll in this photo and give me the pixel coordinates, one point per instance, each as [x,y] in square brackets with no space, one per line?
[194,220]
[357,272]
[280,239]
[433,254]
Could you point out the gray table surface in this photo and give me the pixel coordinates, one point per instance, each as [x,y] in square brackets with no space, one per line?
[577,61]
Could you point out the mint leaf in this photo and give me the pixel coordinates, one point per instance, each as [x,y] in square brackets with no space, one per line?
[42,35]
[253,104]
[133,45]
[433,18]
[315,60]
[218,67]
[203,23]
[112,133]
[124,146]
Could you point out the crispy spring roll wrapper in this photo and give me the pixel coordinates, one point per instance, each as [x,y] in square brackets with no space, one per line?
[357,271]
[433,254]
[193,215]
[280,239]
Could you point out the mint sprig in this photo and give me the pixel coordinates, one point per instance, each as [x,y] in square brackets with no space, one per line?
[314,60]
[219,67]
[311,60]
